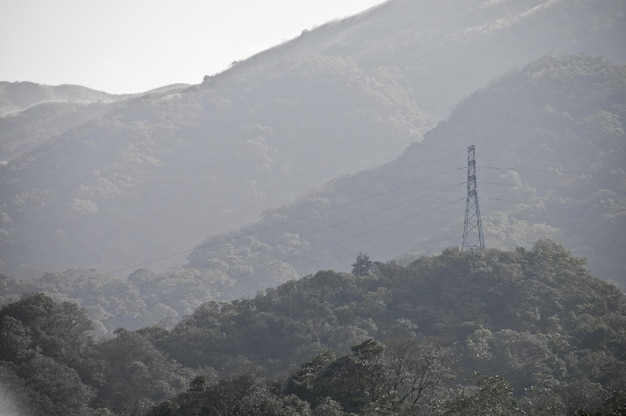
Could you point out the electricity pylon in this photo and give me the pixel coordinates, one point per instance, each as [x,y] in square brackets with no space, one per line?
[473,227]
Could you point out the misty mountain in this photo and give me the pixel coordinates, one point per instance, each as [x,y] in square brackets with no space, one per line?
[550,156]
[18,96]
[446,50]
[140,182]
[551,159]
[550,164]
[31,114]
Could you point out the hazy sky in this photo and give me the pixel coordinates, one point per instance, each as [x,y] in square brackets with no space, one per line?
[135,45]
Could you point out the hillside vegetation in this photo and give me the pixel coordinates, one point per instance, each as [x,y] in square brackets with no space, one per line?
[551,164]
[551,159]
[491,332]
[138,182]
[33,114]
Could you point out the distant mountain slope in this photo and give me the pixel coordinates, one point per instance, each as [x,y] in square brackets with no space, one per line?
[24,130]
[156,174]
[17,96]
[550,152]
[446,50]
[31,114]
[551,155]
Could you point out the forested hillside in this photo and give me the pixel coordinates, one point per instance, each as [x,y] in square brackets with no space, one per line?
[32,114]
[486,332]
[141,182]
[551,162]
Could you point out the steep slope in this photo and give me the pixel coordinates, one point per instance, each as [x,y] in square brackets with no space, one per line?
[154,175]
[551,163]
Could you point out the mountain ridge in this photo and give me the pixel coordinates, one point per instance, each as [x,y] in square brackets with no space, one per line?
[156,173]
[18,96]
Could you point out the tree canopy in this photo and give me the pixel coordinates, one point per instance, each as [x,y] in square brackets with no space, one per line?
[498,332]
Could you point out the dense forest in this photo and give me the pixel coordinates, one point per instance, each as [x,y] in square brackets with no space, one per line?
[492,332]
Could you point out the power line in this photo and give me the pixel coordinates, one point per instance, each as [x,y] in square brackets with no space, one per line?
[293,220]
[386,208]
[526,201]
[349,203]
[563,188]
[378,211]
[337,207]
[197,226]
[266,228]
[562,172]
[280,224]
[324,247]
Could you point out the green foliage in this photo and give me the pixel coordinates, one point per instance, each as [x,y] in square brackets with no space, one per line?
[489,396]
[554,131]
[408,375]
[136,373]
[362,265]
[47,346]
[495,332]
[239,396]
[535,318]
[48,353]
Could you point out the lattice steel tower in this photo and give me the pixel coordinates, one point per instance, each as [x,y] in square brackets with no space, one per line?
[473,227]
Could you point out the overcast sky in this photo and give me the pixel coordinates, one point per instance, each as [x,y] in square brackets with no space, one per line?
[122,46]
